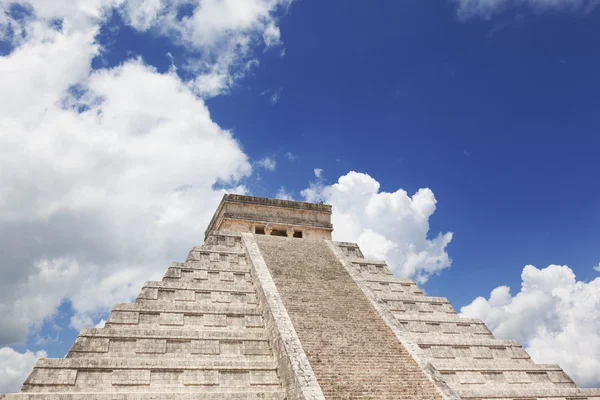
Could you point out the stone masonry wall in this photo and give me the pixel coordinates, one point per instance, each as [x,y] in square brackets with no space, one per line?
[353,353]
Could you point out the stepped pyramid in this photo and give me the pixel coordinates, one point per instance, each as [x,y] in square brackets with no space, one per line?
[270,308]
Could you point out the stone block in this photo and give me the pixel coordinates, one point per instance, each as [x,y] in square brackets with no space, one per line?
[254,321]
[226,276]
[200,275]
[481,352]
[45,376]
[88,379]
[516,377]
[256,347]
[151,346]
[204,347]
[149,319]
[470,377]
[163,379]
[200,377]
[122,346]
[233,379]
[185,295]
[173,273]
[263,377]
[231,348]
[215,320]
[91,345]
[124,318]
[171,319]
[130,377]
[559,377]
[148,293]
[221,297]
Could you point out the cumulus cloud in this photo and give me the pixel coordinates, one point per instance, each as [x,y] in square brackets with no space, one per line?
[391,226]
[554,316]
[14,368]
[283,194]
[597,267]
[220,33]
[487,8]
[106,176]
[318,172]
[267,163]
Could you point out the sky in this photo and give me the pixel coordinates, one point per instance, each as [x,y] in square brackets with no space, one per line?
[457,139]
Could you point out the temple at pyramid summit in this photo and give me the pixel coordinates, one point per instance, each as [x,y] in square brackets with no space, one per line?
[269,307]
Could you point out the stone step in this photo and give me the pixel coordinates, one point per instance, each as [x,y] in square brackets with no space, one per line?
[438,318]
[529,393]
[124,346]
[457,340]
[187,308]
[412,299]
[209,286]
[424,316]
[215,363]
[184,334]
[182,352]
[420,306]
[206,386]
[210,249]
[225,266]
[169,296]
[492,366]
[208,322]
[384,287]
[192,296]
[497,377]
[191,275]
[260,394]
[446,328]
[355,260]
[350,250]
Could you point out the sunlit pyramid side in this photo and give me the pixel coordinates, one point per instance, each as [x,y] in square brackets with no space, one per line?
[269,307]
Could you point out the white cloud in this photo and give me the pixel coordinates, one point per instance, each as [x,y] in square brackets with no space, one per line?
[390,226]
[14,368]
[283,194]
[106,176]
[267,163]
[220,33]
[487,8]
[291,156]
[554,316]
[597,267]
[318,172]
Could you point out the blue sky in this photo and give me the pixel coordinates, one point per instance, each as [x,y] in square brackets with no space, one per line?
[492,106]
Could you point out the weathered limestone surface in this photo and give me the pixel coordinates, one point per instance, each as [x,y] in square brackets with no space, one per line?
[199,331]
[292,316]
[294,368]
[469,359]
[238,213]
[353,352]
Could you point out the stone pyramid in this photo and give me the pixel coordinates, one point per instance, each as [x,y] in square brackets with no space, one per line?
[270,308]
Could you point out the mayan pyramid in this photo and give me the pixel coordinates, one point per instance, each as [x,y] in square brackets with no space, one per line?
[270,308]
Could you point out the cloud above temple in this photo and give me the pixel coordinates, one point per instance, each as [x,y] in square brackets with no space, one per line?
[391,226]
[554,316]
[110,174]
